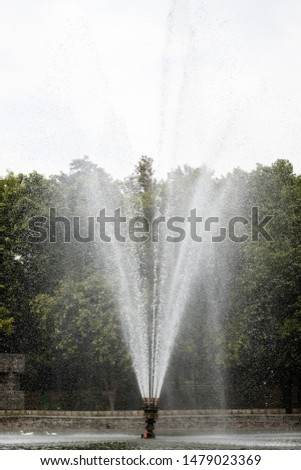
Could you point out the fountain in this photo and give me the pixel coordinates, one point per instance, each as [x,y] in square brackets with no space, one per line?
[156,276]
[159,253]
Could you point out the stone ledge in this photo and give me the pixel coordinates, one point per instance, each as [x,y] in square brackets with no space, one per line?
[139,413]
[193,422]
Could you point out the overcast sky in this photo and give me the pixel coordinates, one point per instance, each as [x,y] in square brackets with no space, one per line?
[182,81]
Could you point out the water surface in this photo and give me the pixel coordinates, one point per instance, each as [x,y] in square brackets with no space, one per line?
[170,440]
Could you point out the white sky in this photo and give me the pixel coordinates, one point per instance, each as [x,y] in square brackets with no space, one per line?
[182,81]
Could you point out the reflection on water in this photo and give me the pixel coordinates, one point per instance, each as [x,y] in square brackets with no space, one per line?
[98,441]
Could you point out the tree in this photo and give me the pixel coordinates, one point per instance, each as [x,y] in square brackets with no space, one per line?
[81,323]
[264,326]
[27,267]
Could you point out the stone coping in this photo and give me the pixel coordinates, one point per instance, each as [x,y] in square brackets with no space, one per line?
[139,413]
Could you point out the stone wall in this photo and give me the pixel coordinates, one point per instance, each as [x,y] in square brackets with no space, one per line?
[11,366]
[182,420]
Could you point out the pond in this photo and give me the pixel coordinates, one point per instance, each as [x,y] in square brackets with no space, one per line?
[164,441]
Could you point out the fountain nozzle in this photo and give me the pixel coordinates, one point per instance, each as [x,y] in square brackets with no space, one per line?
[150,408]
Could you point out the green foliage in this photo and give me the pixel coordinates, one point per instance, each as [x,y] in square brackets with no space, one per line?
[27,268]
[59,307]
[6,322]
[263,332]
[82,327]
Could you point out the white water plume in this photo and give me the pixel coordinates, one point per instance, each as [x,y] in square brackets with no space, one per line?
[155,281]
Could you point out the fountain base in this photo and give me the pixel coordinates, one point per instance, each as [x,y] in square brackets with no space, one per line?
[150,407]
